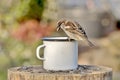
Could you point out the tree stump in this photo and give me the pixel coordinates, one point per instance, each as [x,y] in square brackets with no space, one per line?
[83,72]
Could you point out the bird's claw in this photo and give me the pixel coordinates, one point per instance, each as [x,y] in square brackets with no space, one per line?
[69,39]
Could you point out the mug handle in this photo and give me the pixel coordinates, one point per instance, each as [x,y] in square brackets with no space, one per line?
[38,51]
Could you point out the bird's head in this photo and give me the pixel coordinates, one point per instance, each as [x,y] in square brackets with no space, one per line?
[66,24]
[60,23]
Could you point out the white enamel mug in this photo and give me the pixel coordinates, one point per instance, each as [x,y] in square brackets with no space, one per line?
[59,53]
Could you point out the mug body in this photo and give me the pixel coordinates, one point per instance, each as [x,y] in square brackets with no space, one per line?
[60,54]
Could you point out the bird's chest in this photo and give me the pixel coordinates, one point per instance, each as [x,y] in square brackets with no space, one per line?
[73,35]
[70,34]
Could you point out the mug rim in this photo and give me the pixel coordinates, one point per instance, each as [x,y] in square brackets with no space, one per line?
[56,39]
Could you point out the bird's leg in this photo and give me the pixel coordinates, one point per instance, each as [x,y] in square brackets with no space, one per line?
[68,38]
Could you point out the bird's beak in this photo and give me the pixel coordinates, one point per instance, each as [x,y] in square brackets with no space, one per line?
[58,28]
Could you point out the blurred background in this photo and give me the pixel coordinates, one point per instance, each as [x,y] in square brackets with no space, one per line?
[24,22]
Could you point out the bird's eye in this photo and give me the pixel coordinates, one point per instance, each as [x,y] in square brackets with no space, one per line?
[80,28]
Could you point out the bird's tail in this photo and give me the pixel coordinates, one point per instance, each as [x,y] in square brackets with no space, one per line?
[90,43]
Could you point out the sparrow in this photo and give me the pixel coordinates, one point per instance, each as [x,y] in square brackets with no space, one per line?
[73,31]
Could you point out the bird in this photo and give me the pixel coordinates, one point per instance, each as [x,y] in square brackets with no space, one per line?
[73,30]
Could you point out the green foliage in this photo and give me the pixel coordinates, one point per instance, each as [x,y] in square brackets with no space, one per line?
[14,52]
[3,73]
[27,9]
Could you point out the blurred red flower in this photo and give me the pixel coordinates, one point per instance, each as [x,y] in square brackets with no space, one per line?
[32,30]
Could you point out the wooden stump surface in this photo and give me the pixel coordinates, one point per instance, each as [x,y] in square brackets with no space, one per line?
[83,72]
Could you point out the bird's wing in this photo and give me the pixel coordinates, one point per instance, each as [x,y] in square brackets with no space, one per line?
[75,28]
[80,29]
